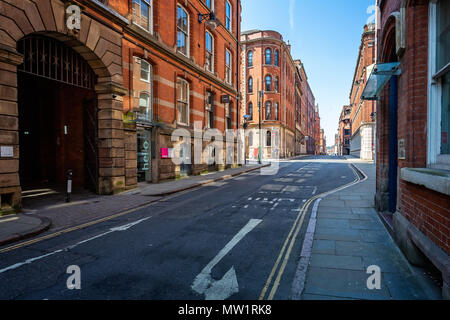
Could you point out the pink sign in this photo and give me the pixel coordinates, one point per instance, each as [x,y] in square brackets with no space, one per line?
[164,153]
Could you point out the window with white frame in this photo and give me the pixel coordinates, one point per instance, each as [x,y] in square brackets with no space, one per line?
[182,31]
[228,13]
[209,52]
[228,68]
[142,88]
[145,71]
[142,13]
[144,111]
[182,101]
[439,76]
[276,111]
[209,110]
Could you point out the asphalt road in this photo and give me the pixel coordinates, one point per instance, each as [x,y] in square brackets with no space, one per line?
[222,241]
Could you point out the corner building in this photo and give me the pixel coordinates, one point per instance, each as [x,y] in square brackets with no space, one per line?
[267,67]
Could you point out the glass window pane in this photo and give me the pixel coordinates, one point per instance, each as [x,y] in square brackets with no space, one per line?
[208,42]
[144,15]
[145,71]
[443,34]
[445,114]
[181,42]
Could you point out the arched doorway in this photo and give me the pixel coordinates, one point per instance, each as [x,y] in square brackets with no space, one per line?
[57,116]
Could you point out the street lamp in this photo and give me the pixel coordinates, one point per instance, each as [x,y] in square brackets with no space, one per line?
[210,18]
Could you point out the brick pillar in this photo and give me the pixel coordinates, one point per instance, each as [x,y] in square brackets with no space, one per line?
[10,191]
[111,150]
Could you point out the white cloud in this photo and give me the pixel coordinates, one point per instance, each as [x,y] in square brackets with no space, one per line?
[291,13]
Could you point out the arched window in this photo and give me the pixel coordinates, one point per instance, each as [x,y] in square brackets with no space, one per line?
[228,19]
[268,139]
[268,83]
[209,61]
[276,58]
[277,84]
[250,59]
[250,111]
[182,31]
[268,110]
[250,85]
[277,110]
[268,56]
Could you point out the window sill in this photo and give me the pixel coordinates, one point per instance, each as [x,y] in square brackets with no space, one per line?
[433,179]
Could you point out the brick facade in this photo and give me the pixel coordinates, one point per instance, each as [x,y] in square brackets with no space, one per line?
[271,61]
[421,219]
[362,124]
[110,39]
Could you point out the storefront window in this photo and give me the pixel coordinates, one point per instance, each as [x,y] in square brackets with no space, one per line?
[443,70]
[144,155]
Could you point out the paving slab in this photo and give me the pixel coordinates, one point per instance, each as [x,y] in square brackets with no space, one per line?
[334,261]
[348,238]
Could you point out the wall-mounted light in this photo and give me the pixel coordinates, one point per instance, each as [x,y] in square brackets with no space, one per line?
[210,18]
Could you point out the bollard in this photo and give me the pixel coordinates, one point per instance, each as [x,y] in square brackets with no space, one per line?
[69,185]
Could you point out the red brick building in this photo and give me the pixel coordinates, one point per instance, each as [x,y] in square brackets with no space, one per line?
[267,66]
[344,131]
[99,87]
[316,130]
[363,111]
[413,151]
[305,112]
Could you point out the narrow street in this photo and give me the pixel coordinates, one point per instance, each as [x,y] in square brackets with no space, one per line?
[231,234]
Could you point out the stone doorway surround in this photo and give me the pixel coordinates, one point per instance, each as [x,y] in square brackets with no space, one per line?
[101,47]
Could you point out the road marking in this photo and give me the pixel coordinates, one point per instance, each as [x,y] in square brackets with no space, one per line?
[228,285]
[314,191]
[31,260]
[246,206]
[291,238]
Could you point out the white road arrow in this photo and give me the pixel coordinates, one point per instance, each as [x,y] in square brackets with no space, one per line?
[228,285]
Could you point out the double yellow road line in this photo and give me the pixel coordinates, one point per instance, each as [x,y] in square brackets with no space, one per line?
[290,241]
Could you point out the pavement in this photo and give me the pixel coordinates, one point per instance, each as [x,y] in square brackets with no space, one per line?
[55,214]
[348,238]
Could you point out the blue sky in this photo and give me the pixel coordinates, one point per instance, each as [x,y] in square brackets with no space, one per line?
[325,35]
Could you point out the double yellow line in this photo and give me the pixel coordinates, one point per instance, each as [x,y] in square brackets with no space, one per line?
[291,238]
